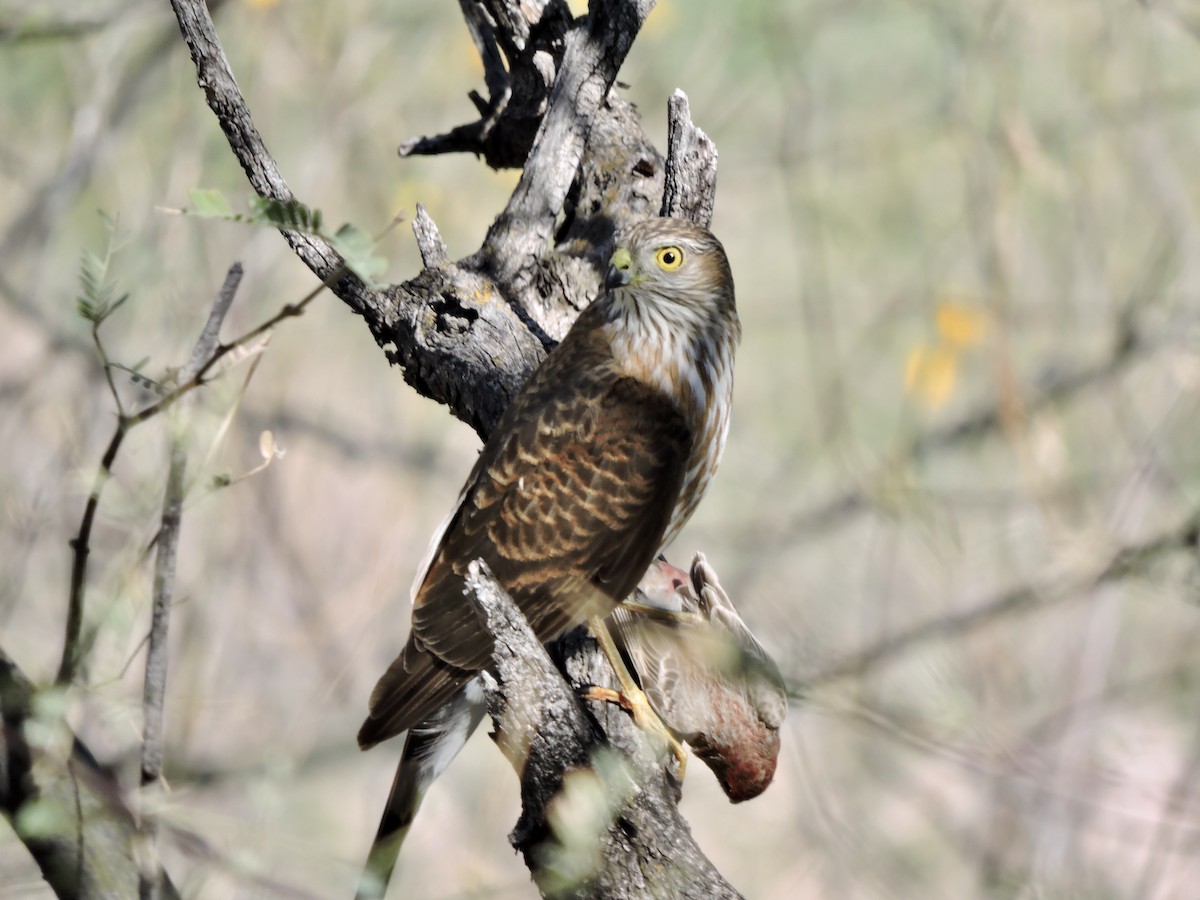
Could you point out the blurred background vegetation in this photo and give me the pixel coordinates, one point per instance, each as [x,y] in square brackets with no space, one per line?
[957,502]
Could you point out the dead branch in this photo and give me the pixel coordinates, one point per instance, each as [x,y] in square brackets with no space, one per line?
[595,823]
[468,333]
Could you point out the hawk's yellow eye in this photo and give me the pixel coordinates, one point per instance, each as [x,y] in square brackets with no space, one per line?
[669,258]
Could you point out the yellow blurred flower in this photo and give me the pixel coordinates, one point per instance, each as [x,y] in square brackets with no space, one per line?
[931,368]
[930,373]
[959,324]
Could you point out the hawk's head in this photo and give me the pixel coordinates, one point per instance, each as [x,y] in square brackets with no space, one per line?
[674,271]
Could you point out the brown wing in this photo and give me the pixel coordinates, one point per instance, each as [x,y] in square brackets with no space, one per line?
[567,512]
[567,504]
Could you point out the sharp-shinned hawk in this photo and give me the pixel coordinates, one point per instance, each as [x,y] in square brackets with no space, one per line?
[596,464]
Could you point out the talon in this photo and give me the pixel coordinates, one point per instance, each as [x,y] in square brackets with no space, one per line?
[606,695]
[644,717]
[633,700]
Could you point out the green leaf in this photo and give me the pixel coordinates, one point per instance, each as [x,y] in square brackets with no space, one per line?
[87,310]
[210,203]
[353,239]
[95,301]
[355,247]
[291,214]
[354,244]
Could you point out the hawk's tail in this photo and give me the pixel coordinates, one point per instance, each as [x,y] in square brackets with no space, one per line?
[410,692]
[428,750]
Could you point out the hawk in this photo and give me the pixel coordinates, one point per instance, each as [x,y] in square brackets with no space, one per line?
[595,466]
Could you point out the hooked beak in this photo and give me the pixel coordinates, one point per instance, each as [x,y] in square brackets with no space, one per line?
[620,269]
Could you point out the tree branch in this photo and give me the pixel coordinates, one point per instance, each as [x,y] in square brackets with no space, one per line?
[1131,559]
[589,67]
[469,333]
[691,179]
[150,877]
[226,101]
[530,37]
[195,371]
[599,812]
[155,682]
[67,811]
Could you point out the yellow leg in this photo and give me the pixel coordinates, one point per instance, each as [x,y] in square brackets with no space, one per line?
[631,697]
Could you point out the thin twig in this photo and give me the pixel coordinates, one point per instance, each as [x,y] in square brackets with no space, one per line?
[80,544]
[107,365]
[210,336]
[1132,559]
[225,99]
[155,683]
[290,311]
[80,548]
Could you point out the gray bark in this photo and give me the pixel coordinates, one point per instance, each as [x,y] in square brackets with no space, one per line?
[599,808]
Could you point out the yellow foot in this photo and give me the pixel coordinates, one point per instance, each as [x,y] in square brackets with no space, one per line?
[637,704]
